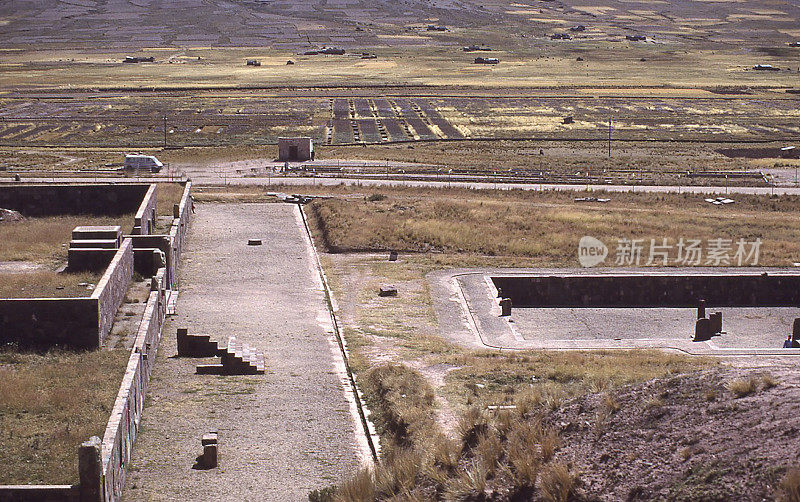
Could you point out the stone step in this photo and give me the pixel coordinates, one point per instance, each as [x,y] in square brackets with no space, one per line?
[94,244]
[210,369]
[97,232]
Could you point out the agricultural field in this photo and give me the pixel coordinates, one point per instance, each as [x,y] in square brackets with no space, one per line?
[250,118]
[81,44]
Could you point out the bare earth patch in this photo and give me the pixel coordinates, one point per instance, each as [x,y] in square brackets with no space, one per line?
[687,437]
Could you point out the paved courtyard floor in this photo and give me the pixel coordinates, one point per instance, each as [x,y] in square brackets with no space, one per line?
[281,434]
[469,314]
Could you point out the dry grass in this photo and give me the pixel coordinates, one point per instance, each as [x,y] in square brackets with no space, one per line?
[742,387]
[536,380]
[49,404]
[564,158]
[505,453]
[47,284]
[789,488]
[167,195]
[45,240]
[402,404]
[545,227]
[235,194]
[558,484]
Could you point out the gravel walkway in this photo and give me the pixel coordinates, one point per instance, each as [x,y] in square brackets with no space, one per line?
[281,434]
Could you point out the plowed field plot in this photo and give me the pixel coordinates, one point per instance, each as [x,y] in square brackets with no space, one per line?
[236,118]
[342,131]
[369,131]
[436,119]
[341,110]
[363,110]
[413,119]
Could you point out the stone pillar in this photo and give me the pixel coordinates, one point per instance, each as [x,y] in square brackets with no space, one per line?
[392,255]
[90,470]
[796,329]
[505,307]
[701,309]
[702,330]
[176,211]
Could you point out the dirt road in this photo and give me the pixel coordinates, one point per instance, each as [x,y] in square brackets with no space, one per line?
[280,434]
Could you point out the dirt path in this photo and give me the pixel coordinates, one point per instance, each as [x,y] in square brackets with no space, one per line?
[281,434]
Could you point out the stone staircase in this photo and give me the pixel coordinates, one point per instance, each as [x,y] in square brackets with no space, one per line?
[236,359]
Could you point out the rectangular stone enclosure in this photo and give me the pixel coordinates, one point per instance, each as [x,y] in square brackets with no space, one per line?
[657,289]
[295,149]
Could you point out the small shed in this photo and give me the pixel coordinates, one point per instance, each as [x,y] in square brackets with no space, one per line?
[295,149]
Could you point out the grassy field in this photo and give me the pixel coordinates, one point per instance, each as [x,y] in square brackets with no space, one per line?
[49,404]
[433,401]
[543,228]
[47,284]
[45,240]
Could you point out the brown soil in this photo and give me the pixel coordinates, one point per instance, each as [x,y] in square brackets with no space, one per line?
[684,438]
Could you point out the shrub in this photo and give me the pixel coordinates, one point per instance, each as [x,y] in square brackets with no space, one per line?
[789,488]
[359,488]
[742,387]
[558,484]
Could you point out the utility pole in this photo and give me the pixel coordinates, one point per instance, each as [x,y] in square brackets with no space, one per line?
[609,137]
[165,132]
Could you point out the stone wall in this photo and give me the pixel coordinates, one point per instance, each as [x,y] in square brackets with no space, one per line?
[652,290]
[81,323]
[145,220]
[143,246]
[110,291]
[39,493]
[123,425]
[49,322]
[178,230]
[127,412]
[94,259]
[44,199]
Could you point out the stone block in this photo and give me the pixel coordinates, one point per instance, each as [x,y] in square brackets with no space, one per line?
[195,345]
[208,460]
[392,255]
[387,290]
[95,259]
[210,369]
[716,322]
[94,243]
[210,455]
[796,329]
[97,232]
[505,307]
[209,438]
[702,330]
